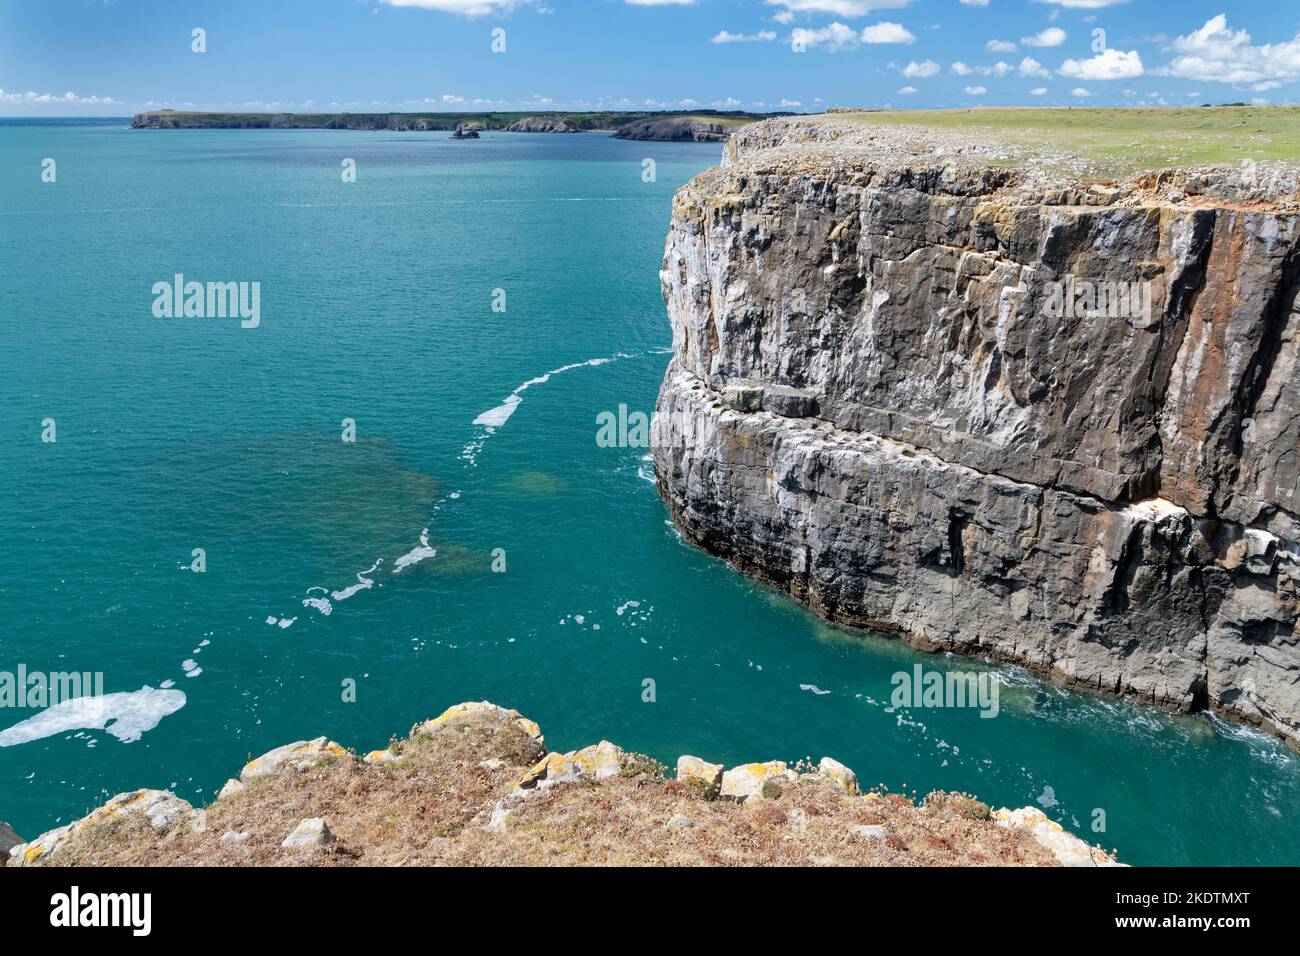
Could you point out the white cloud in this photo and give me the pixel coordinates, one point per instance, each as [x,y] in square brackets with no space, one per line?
[834,38]
[1086,4]
[53,99]
[790,104]
[1000,46]
[921,70]
[907,89]
[1080,92]
[1217,54]
[974,90]
[839,8]
[762,36]
[975,3]
[1038,91]
[838,36]
[961,69]
[1052,36]
[452,98]
[886,32]
[1031,67]
[467,8]
[1109,65]
[660,3]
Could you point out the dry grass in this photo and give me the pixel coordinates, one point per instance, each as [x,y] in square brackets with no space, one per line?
[429,807]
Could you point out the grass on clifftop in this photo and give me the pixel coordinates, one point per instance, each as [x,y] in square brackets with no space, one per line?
[1126,141]
[429,806]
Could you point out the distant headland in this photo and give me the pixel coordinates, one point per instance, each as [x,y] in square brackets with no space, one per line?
[681,126]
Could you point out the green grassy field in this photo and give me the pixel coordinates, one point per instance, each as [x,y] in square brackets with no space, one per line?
[1121,141]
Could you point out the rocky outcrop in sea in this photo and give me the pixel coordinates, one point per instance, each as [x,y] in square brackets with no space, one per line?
[997,408]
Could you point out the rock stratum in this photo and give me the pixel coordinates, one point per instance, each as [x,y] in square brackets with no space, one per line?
[476,785]
[877,402]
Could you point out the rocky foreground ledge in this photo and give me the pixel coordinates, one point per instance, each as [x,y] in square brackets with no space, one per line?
[476,786]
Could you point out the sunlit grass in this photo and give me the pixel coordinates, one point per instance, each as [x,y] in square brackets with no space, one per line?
[1120,141]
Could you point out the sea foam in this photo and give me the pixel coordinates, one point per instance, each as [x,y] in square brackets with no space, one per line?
[127,715]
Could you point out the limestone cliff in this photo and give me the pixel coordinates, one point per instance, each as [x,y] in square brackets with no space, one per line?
[890,397]
[677,128]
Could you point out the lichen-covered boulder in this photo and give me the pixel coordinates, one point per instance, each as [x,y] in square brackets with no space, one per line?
[748,780]
[831,771]
[478,708]
[309,834]
[1068,849]
[300,755]
[596,762]
[162,810]
[693,770]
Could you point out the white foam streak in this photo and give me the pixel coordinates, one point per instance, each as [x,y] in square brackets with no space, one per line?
[417,554]
[127,716]
[363,583]
[494,418]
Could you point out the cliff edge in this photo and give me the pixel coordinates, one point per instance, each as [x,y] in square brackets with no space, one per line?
[942,383]
[476,786]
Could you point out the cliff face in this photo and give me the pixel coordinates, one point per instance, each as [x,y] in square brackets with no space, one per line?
[996,410]
[679,129]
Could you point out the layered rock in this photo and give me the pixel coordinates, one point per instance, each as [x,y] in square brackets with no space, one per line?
[890,397]
[677,128]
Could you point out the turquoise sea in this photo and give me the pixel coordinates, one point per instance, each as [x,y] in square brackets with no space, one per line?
[376,305]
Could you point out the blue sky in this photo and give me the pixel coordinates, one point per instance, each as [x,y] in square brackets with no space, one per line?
[115,57]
